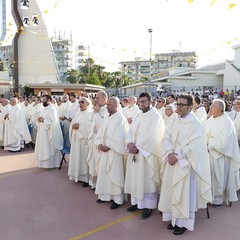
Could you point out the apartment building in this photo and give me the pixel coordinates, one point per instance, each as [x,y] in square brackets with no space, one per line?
[142,69]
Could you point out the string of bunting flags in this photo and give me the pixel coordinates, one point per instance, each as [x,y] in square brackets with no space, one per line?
[11,30]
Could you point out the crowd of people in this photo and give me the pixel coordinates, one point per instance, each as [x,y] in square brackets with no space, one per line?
[176,154]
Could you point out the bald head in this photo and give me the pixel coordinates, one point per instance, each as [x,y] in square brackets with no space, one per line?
[101,98]
[13,101]
[132,101]
[65,97]
[4,101]
[112,105]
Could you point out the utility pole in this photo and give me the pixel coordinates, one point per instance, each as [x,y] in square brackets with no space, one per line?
[88,60]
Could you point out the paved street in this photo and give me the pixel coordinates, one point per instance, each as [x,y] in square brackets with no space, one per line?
[37,204]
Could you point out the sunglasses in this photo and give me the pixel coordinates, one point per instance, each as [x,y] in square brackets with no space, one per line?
[81,102]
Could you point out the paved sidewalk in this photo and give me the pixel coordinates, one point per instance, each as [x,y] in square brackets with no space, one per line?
[37,204]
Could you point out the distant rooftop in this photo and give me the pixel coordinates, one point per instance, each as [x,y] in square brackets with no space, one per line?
[213,67]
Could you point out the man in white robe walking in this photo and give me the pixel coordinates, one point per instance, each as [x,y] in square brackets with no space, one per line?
[110,140]
[223,154]
[49,141]
[143,164]
[78,135]
[185,174]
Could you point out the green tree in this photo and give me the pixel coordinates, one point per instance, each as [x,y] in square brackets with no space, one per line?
[91,73]
[1,65]
[72,76]
[107,80]
[93,79]
[28,90]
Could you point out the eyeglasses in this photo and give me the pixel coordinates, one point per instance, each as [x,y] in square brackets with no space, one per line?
[181,105]
[81,102]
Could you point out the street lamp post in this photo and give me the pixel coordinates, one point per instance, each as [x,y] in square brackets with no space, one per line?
[89,61]
[150,59]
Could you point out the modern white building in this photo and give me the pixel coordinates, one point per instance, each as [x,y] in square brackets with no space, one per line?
[63,50]
[220,76]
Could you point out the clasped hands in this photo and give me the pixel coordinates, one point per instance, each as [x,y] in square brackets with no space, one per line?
[40,119]
[6,116]
[172,159]
[75,126]
[103,148]
[132,148]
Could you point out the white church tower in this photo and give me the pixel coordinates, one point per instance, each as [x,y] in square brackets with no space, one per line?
[34,58]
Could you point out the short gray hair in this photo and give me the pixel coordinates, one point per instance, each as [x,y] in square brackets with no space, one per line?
[221,104]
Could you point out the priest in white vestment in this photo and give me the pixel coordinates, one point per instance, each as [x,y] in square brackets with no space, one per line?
[185,174]
[131,110]
[72,111]
[16,129]
[143,164]
[223,151]
[199,110]
[27,108]
[160,106]
[101,113]
[236,109]
[34,115]
[78,134]
[110,140]
[49,141]
[169,114]
[64,107]
[5,108]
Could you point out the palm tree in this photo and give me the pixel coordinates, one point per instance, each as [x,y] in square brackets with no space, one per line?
[72,76]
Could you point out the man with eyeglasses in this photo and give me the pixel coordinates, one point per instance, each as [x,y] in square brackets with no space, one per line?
[160,106]
[78,133]
[185,173]
[143,164]
[223,151]
[169,114]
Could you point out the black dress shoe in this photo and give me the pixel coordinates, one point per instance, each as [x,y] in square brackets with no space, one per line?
[85,184]
[14,151]
[115,205]
[179,230]
[170,226]
[216,205]
[133,208]
[146,213]
[100,201]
